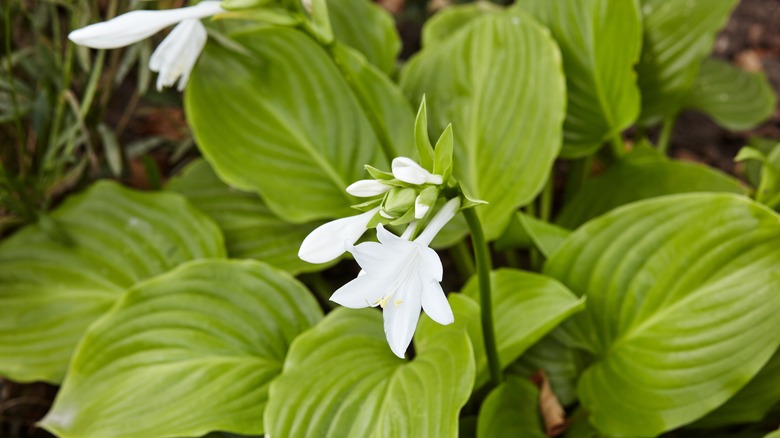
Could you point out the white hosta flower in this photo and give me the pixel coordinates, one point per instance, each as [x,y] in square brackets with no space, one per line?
[365,188]
[408,171]
[176,55]
[403,277]
[331,239]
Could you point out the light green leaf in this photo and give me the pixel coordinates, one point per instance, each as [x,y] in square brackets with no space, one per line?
[752,402]
[600,41]
[382,100]
[686,284]
[734,98]
[251,230]
[373,34]
[340,379]
[443,154]
[443,26]
[185,353]
[545,236]
[642,175]
[511,410]
[678,36]
[526,306]
[507,126]
[775,434]
[108,239]
[768,190]
[288,125]
[421,138]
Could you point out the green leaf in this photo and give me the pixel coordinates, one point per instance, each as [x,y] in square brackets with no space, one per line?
[545,236]
[251,230]
[511,409]
[561,364]
[600,41]
[54,288]
[768,190]
[507,127]
[526,306]
[373,34]
[678,36]
[421,138]
[683,294]
[454,18]
[340,379]
[775,434]
[288,125]
[382,100]
[640,176]
[189,352]
[443,154]
[752,403]
[734,98]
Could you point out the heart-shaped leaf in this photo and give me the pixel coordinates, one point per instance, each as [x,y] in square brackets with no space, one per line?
[678,36]
[61,275]
[452,19]
[600,41]
[374,34]
[734,98]
[683,293]
[341,380]
[185,353]
[251,230]
[511,409]
[288,125]
[505,98]
[526,306]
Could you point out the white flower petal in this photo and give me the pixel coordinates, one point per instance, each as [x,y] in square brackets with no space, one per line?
[401,314]
[134,26]
[435,303]
[430,264]
[365,188]
[408,171]
[175,57]
[363,291]
[420,208]
[330,240]
[395,245]
[371,256]
[444,215]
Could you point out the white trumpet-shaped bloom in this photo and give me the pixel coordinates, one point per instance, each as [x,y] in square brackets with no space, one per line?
[176,55]
[408,171]
[365,188]
[403,277]
[330,240]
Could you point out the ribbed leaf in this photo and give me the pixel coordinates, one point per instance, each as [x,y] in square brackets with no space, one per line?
[288,125]
[683,296]
[638,176]
[526,306]
[678,36]
[185,353]
[61,275]
[734,98]
[373,34]
[251,230]
[600,41]
[505,99]
[753,402]
[511,410]
[341,380]
[561,364]
[452,19]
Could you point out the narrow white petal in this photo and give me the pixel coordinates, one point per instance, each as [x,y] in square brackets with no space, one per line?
[365,188]
[330,240]
[393,244]
[363,291]
[134,26]
[175,57]
[435,303]
[430,264]
[401,316]
[407,170]
[420,209]
[371,256]
[444,215]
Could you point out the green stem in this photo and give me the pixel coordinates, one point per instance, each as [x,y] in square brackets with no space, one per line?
[482,255]
[618,147]
[666,134]
[462,258]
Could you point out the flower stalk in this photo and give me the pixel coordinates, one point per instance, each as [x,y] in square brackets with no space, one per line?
[482,256]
